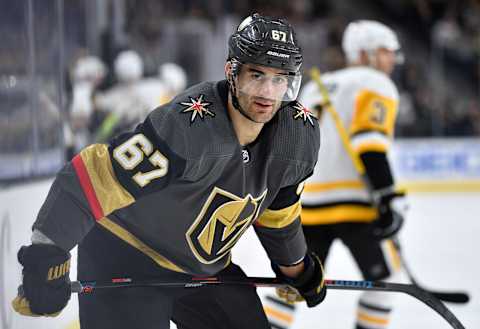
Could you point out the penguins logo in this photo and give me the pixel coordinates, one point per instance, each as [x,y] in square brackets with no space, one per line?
[221,222]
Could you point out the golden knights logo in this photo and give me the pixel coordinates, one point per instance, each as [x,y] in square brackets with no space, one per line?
[197,107]
[221,222]
[301,112]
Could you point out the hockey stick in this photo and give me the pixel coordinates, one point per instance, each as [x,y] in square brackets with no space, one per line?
[450,297]
[410,289]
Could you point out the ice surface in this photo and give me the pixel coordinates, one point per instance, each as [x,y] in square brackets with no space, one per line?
[441,242]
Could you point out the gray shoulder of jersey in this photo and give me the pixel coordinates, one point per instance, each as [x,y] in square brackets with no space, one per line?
[198,119]
[297,139]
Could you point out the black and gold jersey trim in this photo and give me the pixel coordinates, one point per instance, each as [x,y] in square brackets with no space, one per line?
[280,218]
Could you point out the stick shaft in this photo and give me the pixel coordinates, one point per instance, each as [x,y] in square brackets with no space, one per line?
[410,289]
[450,297]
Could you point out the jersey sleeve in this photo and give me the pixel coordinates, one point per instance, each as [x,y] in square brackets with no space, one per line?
[279,227]
[372,128]
[377,170]
[374,115]
[104,178]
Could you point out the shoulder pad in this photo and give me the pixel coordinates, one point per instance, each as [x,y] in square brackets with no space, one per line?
[378,82]
[297,136]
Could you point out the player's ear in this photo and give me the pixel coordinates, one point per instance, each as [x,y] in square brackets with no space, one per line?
[364,58]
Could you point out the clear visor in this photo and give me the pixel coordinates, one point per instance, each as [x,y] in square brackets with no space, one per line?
[268,85]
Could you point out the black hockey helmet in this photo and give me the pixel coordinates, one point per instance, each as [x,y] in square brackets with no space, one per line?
[266,41]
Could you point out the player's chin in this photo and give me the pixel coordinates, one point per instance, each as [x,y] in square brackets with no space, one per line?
[263,116]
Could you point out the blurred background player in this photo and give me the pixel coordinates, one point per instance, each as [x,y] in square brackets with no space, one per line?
[86,75]
[338,202]
[129,101]
[173,76]
[123,105]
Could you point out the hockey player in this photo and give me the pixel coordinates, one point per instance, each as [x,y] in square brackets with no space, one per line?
[87,73]
[172,198]
[339,202]
[158,90]
[125,104]
[174,77]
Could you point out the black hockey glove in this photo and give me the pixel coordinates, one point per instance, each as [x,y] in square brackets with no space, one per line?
[308,286]
[46,283]
[391,209]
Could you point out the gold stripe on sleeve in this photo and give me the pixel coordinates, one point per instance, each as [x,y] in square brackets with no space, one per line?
[280,218]
[108,190]
[138,244]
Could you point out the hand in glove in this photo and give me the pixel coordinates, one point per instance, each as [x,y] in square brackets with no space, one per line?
[308,286]
[46,283]
[391,209]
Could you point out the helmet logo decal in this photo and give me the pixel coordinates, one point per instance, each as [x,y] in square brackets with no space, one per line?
[274,53]
[303,113]
[197,107]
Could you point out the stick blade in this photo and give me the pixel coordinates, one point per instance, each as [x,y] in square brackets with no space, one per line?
[452,297]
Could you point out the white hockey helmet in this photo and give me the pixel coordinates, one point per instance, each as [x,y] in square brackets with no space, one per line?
[174,76]
[367,35]
[128,66]
[88,68]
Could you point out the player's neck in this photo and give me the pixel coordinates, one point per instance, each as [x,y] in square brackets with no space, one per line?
[245,129]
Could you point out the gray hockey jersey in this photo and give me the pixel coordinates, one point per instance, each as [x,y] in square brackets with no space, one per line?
[181,189]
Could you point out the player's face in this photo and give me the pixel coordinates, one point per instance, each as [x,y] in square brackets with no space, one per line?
[385,60]
[261,90]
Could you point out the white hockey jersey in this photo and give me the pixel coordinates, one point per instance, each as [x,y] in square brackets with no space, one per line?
[366,101]
[133,101]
